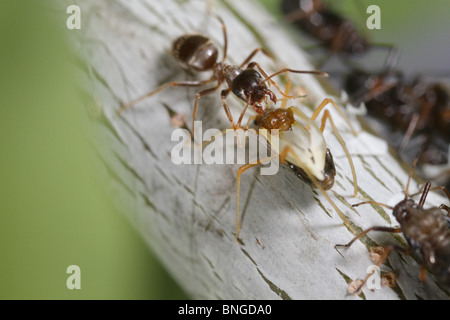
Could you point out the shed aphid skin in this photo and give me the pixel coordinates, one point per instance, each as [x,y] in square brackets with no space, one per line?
[300,143]
[198,53]
[427,233]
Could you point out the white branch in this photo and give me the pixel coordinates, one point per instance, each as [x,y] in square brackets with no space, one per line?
[187,213]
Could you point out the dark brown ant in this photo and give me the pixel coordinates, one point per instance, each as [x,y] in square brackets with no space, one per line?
[427,232]
[198,53]
[333,31]
[415,108]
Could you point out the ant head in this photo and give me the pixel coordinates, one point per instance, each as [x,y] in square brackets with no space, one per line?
[249,86]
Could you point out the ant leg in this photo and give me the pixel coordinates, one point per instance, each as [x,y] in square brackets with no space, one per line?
[362,233]
[225,37]
[253,53]
[288,149]
[327,116]
[296,15]
[324,103]
[163,87]
[409,132]
[243,112]
[223,96]
[198,95]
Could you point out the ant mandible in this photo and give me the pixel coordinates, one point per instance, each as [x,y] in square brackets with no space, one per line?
[198,53]
[427,232]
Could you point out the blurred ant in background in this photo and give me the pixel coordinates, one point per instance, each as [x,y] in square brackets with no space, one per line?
[247,81]
[337,34]
[418,108]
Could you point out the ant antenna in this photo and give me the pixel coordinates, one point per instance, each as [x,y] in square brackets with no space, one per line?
[318,73]
[373,202]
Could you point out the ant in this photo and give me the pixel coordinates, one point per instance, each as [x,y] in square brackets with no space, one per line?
[427,232]
[417,107]
[198,53]
[333,31]
[303,148]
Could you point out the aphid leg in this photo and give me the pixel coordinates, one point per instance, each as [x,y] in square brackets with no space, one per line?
[249,120]
[443,189]
[363,233]
[411,172]
[287,90]
[288,149]
[238,190]
[373,202]
[324,103]
[198,95]
[125,106]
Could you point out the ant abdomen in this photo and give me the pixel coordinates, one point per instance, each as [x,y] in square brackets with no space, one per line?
[195,52]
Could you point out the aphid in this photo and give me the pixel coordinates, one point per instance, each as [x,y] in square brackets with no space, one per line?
[427,233]
[417,108]
[301,145]
[333,31]
[198,53]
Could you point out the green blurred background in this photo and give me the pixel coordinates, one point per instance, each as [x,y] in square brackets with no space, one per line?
[53,212]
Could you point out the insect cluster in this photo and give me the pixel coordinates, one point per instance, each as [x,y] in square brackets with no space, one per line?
[417,108]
